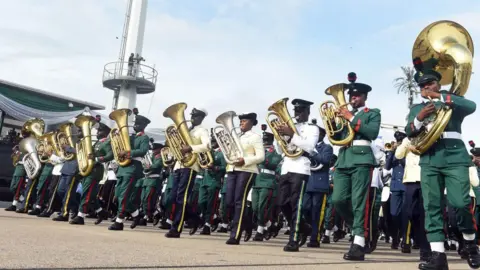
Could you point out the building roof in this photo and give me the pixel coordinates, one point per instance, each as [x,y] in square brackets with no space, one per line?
[48,95]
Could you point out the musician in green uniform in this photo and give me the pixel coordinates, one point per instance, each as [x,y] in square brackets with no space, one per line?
[17,185]
[102,153]
[128,175]
[223,207]
[43,184]
[210,186]
[168,203]
[264,186]
[354,167]
[444,165]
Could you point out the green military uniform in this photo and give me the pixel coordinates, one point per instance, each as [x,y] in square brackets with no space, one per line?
[102,151]
[17,185]
[264,186]
[151,184]
[193,197]
[210,185]
[43,184]
[445,165]
[476,190]
[223,204]
[128,175]
[167,200]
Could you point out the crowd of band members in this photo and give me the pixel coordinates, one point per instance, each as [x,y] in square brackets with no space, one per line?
[366,190]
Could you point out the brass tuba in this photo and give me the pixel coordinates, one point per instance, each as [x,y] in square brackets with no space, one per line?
[46,142]
[84,146]
[167,157]
[31,162]
[333,123]
[119,137]
[64,137]
[178,136]
[279,109]
[227,138]
[450,47]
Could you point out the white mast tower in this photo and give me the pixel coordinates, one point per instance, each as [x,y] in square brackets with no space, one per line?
[128,77]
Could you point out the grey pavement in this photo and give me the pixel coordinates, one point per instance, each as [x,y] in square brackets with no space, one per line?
[31,242]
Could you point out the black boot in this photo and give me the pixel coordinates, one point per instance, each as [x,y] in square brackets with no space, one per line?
[195,224]
[438,261]
[142,222]
[258,237]
[22,210]
[406,248]
[164,225]
[338,235]
[60,218]
[326,239]
[45,214]
[135,222]
[232,241]
[425,255]
[356,253]
[101,216]
[471,250]
[291,247]
[116,226]
[222,230]
[205,230]
[78,220]
[35,212]
[313,244]
[11,208]
[172,234]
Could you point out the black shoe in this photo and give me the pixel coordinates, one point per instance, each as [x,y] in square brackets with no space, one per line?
[287,232]
[425,255]
[306,231]
[258,237]
[350,239]
[142,222]
[116,226]
[35,212]
[338,235]
[248,235]
[205,231]
[164,225]
[222,230]
[172,234]
[22,210]
[77,221]
[394,245]
[156,219]
[356,253]
[232,241]
[406,248]
[45,214]
[438,261]
[415,246]
[326,239]
[473,257]
[215,224]
[291,247]
[195,224]
[101,216]
[60,218]
[453,247]
[313,244]
[135,221]
[11,208]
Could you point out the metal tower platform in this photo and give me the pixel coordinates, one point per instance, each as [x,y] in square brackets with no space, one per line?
[141,77]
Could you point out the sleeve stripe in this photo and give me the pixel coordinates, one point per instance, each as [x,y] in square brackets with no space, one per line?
[357,126]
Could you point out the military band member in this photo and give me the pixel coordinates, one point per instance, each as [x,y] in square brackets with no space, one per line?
[43,184]
[263,187]
[128,175]
[224,211]
[444,165]
[67,187]
[54,201]
[210,186]
[296,171]
[152,183]
[242,174]
[354,167]
[102,152]
[316,192]
[184,177]
[17,185]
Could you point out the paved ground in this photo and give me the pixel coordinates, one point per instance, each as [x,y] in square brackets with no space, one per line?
[31,242]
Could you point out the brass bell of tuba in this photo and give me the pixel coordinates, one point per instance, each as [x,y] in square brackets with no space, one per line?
[227,138]
[119,137]
[333,123]
[84,146]
[64,137]
[28,145]
[167,157]
[283,118]
[449,46]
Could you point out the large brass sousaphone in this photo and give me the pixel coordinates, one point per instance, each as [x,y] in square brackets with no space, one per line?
[450,46]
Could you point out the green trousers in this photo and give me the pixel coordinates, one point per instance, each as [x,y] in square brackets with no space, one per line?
[126,190]
[262,201]
[17,186]
[207,199]
[149,200]
[43,194]
[457,182]
[350,197]
[376,203]
[90,188]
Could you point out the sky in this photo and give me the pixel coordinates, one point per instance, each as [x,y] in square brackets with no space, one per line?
[240,55]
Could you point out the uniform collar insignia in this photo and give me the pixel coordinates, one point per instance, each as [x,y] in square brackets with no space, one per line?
[103,140]
[141,133]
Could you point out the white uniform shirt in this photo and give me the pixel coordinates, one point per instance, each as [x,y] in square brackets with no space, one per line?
[253,152]
[412,170]
[201,143]
[57,164]
[306,140]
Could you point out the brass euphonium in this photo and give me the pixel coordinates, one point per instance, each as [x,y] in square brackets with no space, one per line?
[64,137]
[167,157]
[84,146]
[389,146]
[227,138]
[283,118]
[31,162]
[46,142]
[119,137]
[333,123]
[178,136]
[449,45]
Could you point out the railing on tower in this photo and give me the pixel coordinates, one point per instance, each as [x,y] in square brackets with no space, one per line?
[142,76]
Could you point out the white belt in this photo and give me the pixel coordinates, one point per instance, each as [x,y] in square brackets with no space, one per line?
[138,159]
[152,175]
[20,162]
[267,171]
[361,143]
[199,176]
[451,135]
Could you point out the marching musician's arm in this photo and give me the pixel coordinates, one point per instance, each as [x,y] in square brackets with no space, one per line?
[205,145]
[370,128]
[259,156]
[142,150]
[157,162]
[414,126]
[55,159]
[273,162]
[389,161]
[107,148]
[402,149]
[458,103]
[307,143]
[324,157]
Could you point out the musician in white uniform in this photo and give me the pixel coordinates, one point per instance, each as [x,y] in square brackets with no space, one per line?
[296,171]
[242,173]
[184,176]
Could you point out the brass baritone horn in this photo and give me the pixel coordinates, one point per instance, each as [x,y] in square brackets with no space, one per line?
[178,136]
[167,157]
[451,46]
[28,145]
[333,123]
[84,146]
[283,118]
[227,138]
[64,137]
[119,137]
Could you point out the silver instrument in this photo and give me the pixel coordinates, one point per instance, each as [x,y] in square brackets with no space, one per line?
[227,138]
[31,162]
[315,166]
[147,163]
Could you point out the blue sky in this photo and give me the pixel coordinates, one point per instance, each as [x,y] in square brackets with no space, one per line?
[237,55]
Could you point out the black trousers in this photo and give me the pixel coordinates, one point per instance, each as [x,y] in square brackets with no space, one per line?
[238,185]
[414,216]
[183,180]
[292,187]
